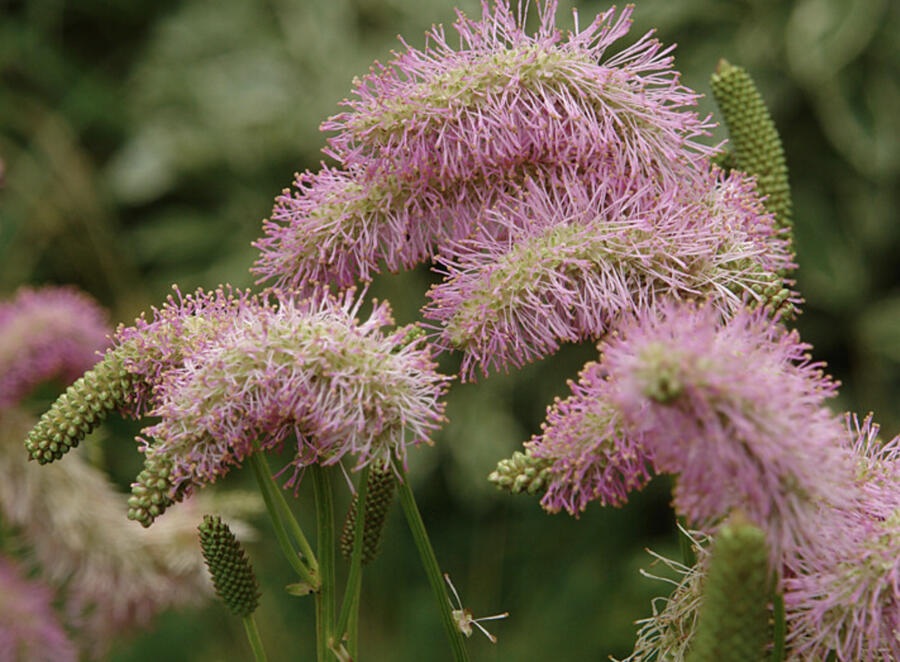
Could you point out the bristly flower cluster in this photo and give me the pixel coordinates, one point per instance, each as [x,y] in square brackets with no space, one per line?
[283,366]
[735,408]
[843,593]
[436,137]
[554,186]
[571,262]
[49,333]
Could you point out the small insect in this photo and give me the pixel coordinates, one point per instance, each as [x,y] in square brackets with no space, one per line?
[464,619]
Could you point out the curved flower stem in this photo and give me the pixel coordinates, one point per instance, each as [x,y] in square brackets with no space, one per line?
[288,517]
[350,602]
[264,479]
[325,543]
[259,653]
[429,562]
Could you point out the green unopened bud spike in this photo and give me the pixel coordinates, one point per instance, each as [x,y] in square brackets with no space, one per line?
[151,492]
[379,497]
[522,473]
[756,147]
[80,409]
[229,567]
[734,617]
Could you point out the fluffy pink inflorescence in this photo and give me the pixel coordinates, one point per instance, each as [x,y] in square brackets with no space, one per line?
[48,333]
[574,258]
[593,457]
[150,348]
[844,591]
[737,410]
[29,629]
[436,137]
[283,366]
[505,98]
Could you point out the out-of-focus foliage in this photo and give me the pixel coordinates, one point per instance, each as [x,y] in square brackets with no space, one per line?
[143,142]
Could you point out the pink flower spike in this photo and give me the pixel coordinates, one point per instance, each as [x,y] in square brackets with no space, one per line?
[504,98]
[149,349]
[436,137]
[569,258]
[737,410]
[592,455]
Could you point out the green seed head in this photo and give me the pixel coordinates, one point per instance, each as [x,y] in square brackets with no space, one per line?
[229,566]
[379,496]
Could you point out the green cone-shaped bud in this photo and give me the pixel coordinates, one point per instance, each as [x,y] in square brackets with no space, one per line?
[380,489]
[80,409]
[522,473]
[734,616]
[229,566]
[150,492]
[754,140]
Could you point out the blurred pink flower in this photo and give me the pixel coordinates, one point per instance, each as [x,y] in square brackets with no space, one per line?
[47,333]
[593,455]
[29,629]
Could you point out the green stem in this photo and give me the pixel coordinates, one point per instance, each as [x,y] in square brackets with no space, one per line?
[259,653]
[325,543]
[432,569]
[354,578]
[779,628]
[353,628]
[264,479]
[288,516]
[688,556]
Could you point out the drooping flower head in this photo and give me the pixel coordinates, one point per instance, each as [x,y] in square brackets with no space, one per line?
[504,98]
[47,333]
[574,259]
[436,137]
[284,366]
[29,629]
[736,408]
[126,377]
[591,454]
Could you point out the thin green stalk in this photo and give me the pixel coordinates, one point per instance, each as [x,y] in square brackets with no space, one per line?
[432,569]
[353,628]
[688,556]
[354,578]
[264,479]
[779,628]
[259,654]
[288,516]
[325,544]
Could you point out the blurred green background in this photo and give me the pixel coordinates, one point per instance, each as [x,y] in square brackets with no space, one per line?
[143,142]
